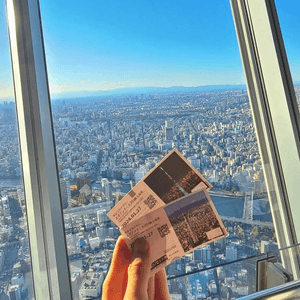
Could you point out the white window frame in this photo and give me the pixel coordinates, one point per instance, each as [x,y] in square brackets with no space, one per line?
[275,115]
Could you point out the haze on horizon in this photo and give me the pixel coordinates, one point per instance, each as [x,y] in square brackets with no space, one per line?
[132,44]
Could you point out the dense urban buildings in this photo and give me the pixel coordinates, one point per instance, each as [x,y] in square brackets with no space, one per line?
[104,147]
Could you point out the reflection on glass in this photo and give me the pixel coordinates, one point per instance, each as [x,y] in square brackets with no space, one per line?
[225,282]
[119,106]
[235,279]
[15,275]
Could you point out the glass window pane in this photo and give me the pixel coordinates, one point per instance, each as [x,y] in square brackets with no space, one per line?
[236,279]
[15,262]
[131,81]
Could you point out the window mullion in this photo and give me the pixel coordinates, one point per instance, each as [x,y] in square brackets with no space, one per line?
[45,219]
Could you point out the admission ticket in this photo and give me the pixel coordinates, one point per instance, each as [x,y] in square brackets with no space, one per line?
[170,207]
[177,228]
[173,178]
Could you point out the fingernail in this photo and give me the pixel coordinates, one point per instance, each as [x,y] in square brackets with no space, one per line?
[140,247]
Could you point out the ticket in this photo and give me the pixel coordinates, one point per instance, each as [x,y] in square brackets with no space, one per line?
[171,179]
[177,228]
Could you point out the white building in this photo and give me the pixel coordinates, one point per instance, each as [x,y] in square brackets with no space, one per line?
[107,186]
[94,242]
[75,283]
[169,130]
[102,217]
[91,287]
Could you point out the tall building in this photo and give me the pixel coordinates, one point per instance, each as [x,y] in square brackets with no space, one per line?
[76,280]
[107,186]
[102,218]
[99,159]
[102,233]
[65,192]
[197,255]
[1,260]
[202,255]
[169,130]
[231,253]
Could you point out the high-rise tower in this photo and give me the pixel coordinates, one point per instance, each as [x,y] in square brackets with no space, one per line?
[107,187]
[65,192]
[169,130]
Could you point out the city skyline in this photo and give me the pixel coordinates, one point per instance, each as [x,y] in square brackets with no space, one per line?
[105,147]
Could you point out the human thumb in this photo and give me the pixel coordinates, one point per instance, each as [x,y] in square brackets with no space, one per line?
[138,271]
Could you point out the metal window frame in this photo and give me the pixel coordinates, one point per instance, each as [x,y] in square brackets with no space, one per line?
[50,267]
[275,115]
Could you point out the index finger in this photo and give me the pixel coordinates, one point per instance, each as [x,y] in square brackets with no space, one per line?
[121,256]
[115,282]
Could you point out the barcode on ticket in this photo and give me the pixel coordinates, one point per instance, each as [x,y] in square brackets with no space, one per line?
[150,201]
[158,262]
[163,230]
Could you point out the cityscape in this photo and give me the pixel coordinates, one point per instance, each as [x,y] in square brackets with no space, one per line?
[104,146]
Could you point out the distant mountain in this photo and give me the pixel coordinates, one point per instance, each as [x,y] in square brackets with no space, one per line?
[145,91]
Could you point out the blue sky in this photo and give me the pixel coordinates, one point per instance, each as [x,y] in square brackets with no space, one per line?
[102,45]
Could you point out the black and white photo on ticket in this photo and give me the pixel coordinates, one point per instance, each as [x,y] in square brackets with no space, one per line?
[175,177]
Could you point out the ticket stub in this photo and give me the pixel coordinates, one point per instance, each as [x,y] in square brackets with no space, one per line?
[177,228]
[155,227]
[173,178]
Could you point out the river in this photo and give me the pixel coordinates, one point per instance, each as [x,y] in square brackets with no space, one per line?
[228,206]
[231,206]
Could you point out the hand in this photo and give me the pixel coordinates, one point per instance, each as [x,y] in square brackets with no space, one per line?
[129,275]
